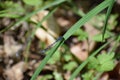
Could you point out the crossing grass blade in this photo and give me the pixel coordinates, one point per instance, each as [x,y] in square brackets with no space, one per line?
[33,32]
[107,17]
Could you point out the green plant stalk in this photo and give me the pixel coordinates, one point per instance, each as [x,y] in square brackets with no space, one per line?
[9,15]
[33,33]
[107,17]
[32,13]
[3,11]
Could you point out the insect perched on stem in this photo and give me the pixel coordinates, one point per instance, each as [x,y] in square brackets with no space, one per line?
[51,45]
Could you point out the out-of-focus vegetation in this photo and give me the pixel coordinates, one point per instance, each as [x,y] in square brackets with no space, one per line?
[29,26]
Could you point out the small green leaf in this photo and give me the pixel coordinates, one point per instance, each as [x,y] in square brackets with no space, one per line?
[58,76]
[70,66]
[112,22]
[67,57]
[103,62]
[102,58]
[88,75]
[93,63]
[107,66]
[46,77]
[11,9]
[33,2]
[55,58]
[82,35]
[98,37]
[106,62]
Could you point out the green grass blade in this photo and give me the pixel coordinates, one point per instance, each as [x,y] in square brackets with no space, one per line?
[86,18]
[107,17]
[33,33]
[57,2]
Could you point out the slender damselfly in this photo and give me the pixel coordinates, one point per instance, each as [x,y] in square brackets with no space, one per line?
[51,45]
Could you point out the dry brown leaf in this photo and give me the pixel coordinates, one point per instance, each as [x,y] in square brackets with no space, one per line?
[44,36]
[65,18]
[63,22]
[52,29]
[105,76]
[80,51]
[118,1]
[11,47]
[91,32]
[115,73]
[16,72]
[2,51]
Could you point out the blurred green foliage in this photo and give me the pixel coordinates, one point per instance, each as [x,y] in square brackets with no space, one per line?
[11,9]
[82,35]
[103,63]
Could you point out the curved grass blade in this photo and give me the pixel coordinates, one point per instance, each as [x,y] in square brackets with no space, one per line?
[107,17]
[33,33]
